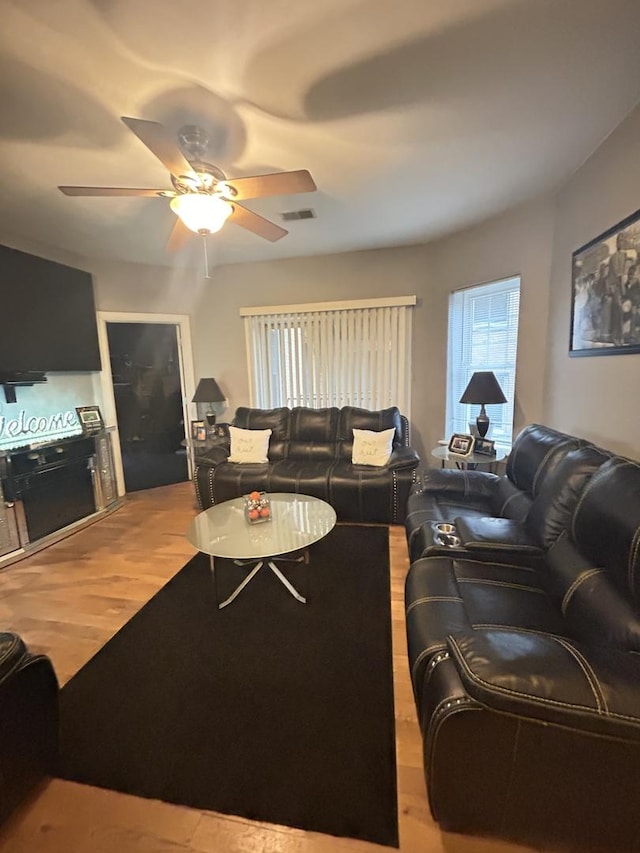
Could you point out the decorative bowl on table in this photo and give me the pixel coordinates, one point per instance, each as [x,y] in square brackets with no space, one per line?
[257,507]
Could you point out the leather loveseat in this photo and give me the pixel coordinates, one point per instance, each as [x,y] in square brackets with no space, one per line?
[310,453]
[524,645]
[28,721]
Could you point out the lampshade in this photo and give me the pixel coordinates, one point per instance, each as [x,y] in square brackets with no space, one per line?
[483,388]
[202,213]
[208,391]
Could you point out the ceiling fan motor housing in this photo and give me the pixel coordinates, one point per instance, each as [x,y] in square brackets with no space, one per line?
[193,141]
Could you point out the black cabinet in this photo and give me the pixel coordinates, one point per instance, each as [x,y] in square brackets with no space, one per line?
[47,488]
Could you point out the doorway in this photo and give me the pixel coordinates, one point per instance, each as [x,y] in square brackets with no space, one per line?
[147,378]
[145,373]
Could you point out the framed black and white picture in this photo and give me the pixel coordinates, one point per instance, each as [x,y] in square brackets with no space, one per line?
[605,292]
[484,446]
[461,444]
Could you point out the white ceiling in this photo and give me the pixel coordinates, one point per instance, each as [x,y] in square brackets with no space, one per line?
[415,117]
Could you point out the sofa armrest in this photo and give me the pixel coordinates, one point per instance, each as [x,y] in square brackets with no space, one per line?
[491,534]
[403,457]
[213,456]
[455,483]
[543,677]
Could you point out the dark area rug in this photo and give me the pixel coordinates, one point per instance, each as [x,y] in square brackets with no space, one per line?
[268,709]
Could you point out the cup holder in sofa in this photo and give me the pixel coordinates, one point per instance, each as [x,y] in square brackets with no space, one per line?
[446,534]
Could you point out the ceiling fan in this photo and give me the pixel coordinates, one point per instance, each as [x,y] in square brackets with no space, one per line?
[202,197]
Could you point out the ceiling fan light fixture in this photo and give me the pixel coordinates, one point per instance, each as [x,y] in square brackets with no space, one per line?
[202,213]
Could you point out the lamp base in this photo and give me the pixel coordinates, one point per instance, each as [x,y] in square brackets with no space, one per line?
[482,423]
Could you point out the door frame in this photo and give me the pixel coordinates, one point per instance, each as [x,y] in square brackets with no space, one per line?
[185,358]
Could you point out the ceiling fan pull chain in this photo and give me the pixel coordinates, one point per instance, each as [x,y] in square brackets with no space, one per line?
[206,259]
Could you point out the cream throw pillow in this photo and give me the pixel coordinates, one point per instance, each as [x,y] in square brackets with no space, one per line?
[249,445]
[372,448]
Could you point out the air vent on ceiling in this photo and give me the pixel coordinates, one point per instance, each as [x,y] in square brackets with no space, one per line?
[291,215]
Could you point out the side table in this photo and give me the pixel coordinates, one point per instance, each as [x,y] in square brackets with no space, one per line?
[195,447]
[472,461]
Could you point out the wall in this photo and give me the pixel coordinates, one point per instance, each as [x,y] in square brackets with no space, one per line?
[519,242]
[515,243]
[138,288]
[218,330]
[596,397]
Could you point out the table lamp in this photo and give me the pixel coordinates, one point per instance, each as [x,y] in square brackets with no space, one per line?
[208,391]
[483,389]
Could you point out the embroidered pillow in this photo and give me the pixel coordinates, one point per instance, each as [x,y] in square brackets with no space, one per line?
[249,445]
[372,448]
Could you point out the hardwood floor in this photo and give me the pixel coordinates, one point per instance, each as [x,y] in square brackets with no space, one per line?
[69,599]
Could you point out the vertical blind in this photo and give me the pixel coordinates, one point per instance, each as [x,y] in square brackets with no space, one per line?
[483,335]
[355,353]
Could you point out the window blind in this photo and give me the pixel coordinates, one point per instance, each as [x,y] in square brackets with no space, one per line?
[483,335]
[333,354]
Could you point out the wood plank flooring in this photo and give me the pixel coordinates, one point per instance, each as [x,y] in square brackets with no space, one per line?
[69,599]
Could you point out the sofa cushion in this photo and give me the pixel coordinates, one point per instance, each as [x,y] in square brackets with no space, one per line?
[367,493]
[371,447]
[606,524]
[553,507]
[447,595]
[593,608]
[313,434]
[535,453]
[277,420]
[249,445]
[310,477]
[226,481]
[353,418]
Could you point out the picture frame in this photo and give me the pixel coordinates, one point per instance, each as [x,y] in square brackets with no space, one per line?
[605,292]
[220,432]
[461,444]
[198,431]
[485,446]
[90,418]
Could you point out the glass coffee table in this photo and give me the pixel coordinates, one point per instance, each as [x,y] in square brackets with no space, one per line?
[297,521]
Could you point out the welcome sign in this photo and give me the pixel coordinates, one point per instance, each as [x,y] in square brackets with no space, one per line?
[15,432]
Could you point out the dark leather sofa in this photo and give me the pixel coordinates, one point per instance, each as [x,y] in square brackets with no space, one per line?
[310,453]
[28,721]
[524,645]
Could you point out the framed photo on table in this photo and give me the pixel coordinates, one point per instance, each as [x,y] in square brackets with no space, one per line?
[90,419]
[484,446]
[198,431]
[461,444]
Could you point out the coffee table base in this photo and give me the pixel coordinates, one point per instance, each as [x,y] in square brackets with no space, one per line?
[304,557]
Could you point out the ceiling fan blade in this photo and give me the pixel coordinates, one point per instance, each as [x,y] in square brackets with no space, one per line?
[279,183]
[154,136]
[122,191]
[258,224]
[179,237]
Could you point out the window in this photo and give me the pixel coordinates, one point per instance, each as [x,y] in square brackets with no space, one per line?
[353,353]
[483,335]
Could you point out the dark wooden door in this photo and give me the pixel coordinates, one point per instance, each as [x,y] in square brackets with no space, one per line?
[148,394]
